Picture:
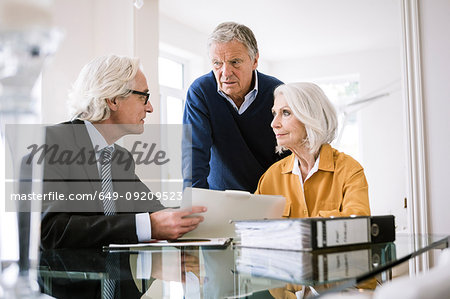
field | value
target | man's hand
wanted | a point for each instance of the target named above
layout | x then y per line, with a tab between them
172	224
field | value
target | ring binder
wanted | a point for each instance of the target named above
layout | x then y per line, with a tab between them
315	233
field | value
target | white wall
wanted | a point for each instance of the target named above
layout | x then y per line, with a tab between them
186	43
95	28
146	37
435	47
91	28
182	38
382	122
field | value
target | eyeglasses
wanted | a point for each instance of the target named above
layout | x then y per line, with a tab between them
145	94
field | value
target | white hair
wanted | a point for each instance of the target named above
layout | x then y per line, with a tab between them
312	107
228	31
105	77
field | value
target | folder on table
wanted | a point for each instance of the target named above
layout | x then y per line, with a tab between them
211	243
225	206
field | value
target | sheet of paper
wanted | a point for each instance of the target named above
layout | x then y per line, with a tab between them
175	243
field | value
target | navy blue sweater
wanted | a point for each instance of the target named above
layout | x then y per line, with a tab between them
229	151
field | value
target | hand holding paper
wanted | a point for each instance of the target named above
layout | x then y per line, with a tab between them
172	224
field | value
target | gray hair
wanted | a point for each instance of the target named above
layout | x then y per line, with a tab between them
228	31
312	107
105	77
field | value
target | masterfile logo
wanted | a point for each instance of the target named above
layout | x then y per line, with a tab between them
42	158
55	154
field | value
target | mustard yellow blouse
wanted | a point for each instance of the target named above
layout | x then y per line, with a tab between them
338	188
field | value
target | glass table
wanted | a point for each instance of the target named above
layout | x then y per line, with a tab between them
231	272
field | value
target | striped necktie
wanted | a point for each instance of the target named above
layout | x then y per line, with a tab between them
105	167
111	287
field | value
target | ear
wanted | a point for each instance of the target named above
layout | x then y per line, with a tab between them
112	104
255	62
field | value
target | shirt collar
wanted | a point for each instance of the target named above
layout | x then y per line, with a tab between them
97	139
325	161
288	165
314	169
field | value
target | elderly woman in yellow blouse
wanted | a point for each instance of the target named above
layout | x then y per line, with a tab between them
316	179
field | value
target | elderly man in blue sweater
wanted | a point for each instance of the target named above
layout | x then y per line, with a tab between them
229	143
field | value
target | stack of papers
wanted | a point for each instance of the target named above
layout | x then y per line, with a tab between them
275	234
284	265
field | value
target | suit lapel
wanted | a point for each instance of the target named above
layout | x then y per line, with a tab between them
83	142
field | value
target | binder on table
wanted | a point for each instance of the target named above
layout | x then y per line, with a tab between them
315	233
312	267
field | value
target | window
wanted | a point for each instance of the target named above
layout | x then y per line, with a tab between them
172	89
342	91
170	73
172	93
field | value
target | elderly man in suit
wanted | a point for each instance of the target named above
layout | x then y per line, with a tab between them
111	100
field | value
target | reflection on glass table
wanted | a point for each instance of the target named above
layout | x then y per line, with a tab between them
234	272
312	268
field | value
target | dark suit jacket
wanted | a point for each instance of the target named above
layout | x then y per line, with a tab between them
70	169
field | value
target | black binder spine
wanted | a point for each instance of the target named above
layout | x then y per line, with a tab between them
380	229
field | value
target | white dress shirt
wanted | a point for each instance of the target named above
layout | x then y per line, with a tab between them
296	169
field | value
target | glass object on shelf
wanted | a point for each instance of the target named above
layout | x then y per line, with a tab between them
138	3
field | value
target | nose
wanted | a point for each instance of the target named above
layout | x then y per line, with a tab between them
227	70
275	124
149	107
